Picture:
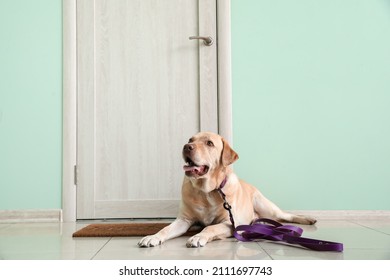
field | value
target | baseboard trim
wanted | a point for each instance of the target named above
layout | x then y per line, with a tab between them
32	216
344	214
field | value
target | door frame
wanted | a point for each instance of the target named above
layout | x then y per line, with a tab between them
69	144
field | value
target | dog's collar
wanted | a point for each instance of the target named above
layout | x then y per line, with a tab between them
223	183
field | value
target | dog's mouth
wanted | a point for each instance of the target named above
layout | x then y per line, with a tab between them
193	170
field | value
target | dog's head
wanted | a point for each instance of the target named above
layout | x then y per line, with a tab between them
206	153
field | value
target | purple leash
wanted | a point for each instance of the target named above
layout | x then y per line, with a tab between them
271	230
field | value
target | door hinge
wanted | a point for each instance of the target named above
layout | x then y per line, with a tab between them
75	175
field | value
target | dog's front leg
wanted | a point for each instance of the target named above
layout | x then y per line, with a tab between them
177	228
210	233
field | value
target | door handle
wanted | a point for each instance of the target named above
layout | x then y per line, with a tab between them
208	41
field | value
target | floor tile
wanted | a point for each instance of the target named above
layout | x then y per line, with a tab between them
302	254
127	248
46	240
378	225
367	254
353	238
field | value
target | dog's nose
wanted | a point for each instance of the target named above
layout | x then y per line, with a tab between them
188	147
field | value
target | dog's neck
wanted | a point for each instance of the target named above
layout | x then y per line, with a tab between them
211	183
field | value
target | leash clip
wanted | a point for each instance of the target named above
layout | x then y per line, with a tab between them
227	206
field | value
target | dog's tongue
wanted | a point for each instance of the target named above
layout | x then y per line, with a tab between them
192	168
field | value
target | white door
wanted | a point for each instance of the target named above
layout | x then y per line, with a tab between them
143	88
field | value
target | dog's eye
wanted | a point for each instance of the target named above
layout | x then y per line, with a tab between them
210	143
190	140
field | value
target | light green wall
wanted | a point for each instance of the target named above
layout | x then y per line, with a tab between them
30	104
311	89
311	93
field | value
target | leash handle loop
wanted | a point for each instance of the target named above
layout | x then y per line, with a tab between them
271	230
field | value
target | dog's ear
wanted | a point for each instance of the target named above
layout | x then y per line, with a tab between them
228	155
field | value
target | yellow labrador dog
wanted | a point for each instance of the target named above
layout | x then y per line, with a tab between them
208	158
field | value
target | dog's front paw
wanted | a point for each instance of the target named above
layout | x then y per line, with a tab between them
311	220
304	220
197	241
150	241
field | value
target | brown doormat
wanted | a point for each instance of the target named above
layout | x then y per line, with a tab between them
131	229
